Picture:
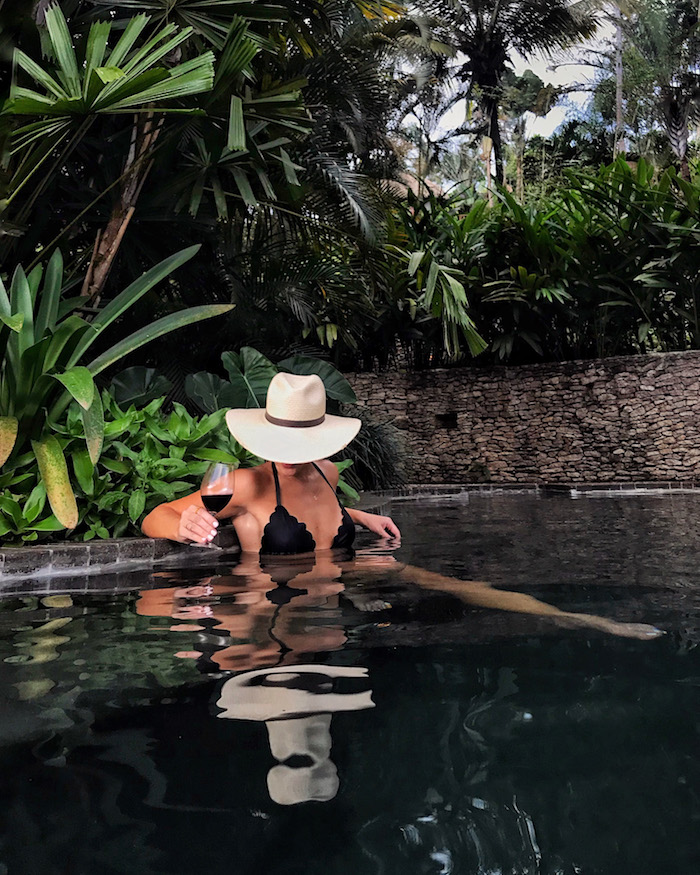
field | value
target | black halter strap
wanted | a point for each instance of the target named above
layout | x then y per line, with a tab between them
277	485
337	497
278	494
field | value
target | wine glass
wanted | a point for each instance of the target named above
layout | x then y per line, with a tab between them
217	488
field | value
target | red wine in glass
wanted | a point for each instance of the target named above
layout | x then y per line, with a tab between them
216	503
217	487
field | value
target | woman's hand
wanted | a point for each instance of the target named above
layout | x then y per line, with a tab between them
383	526
197	524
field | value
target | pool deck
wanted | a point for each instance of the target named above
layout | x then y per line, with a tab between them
105	564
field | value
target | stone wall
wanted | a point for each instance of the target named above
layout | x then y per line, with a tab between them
627	419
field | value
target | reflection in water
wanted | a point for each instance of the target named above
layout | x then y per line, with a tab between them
256	618
272	616
296	707
490	742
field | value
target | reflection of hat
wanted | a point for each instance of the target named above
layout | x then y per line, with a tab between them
294	427
290	691
317	783
296	702
315	779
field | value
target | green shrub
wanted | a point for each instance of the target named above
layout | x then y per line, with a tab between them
148	457
604	265
46	363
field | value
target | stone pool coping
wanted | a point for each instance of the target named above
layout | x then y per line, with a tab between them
125	555
373	500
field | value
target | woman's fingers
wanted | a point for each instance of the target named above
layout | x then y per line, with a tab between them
197	524
391	527
386	527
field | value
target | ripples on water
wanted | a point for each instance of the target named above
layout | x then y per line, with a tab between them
223	723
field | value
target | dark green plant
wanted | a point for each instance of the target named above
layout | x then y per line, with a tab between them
249	377
138	385
105	94
45	364
379	455
604	265
148	457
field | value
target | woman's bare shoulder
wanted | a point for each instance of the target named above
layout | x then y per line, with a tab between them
250	482
329	470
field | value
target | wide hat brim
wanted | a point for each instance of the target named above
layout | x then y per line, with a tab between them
290	445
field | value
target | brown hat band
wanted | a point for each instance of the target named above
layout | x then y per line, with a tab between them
294	423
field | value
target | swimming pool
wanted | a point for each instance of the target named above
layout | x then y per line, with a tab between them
216	722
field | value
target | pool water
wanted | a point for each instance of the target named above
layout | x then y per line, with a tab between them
352	721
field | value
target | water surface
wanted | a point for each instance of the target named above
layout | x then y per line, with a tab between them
220	722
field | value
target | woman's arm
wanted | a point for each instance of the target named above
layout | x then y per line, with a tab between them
383	526
185	519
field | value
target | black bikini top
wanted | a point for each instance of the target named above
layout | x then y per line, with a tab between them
285	534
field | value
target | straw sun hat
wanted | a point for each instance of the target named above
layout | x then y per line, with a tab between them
294	427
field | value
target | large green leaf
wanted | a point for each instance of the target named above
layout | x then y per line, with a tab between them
250	374
35	503
130	77
236	125
21	301
156	329
209	392
84	468
54	473
132	293
5	305
47	315
337	387
80	384
62	44
50	524
138	385
94	426
14	323
137	503
69	336
8	436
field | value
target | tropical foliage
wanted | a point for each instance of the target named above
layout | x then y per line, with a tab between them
303	149
249	374
148	456
122	87
45	364
604	265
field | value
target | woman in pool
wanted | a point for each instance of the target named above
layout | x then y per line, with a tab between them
288	505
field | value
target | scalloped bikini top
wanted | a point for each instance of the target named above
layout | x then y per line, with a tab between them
284	534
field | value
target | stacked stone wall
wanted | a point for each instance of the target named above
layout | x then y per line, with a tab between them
625	419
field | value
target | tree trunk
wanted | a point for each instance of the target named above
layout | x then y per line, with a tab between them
620	146
486	150
136	168
520	159
495	135
675	106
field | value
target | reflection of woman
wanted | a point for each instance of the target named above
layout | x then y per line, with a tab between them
250	620
288	505
296	706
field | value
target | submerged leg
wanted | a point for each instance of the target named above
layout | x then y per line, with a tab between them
482	595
